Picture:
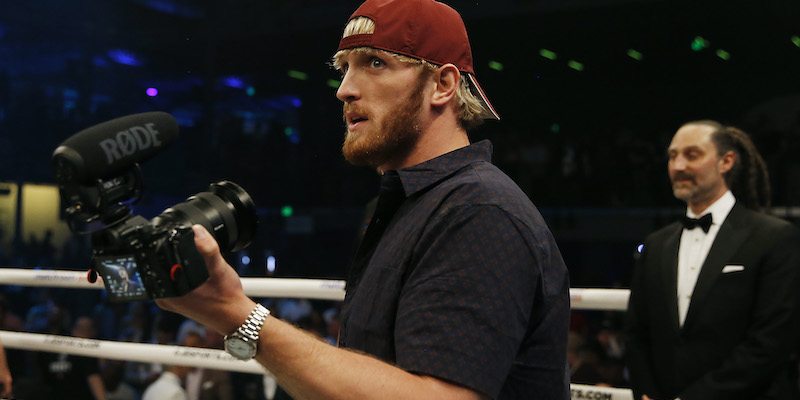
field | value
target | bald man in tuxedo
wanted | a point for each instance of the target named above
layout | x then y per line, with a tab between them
712	313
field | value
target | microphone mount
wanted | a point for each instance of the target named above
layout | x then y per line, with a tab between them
105	201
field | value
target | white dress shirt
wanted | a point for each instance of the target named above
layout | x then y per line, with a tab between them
194	381
694	248
166	387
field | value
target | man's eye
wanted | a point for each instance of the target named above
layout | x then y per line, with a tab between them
376	63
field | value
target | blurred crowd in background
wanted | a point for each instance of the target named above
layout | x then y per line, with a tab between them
579	143
616	169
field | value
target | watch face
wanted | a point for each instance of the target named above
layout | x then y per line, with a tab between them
239	348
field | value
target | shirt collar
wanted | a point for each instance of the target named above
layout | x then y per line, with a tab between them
719	209
422	175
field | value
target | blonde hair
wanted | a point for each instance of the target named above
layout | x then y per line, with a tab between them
469	108
359	26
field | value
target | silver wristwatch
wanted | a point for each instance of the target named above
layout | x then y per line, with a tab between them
243	343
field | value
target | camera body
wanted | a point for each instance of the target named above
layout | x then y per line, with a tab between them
140	259
136	258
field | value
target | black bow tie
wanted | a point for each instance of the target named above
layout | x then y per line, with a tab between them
704	222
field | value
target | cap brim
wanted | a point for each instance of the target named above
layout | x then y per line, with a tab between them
488	110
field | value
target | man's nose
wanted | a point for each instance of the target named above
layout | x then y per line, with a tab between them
348	90
678	163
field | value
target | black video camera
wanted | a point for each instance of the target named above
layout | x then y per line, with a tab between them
99	178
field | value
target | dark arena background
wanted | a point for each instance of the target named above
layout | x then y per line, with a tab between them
589	92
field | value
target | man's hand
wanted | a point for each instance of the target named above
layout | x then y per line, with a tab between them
220	302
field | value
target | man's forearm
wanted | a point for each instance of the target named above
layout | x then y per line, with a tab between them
305	366
309	368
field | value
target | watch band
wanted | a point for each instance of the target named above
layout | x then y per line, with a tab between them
251	327
243	343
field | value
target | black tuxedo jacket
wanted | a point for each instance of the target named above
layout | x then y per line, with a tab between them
740	329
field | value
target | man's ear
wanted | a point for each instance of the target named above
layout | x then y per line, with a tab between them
726	162
447	78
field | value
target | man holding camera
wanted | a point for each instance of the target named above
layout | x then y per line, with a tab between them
458	289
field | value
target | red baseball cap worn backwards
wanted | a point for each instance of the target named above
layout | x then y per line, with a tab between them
421	29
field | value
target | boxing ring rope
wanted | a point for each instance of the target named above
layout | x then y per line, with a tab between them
321	289
140	352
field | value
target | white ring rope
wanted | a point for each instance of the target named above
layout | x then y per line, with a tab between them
321	289
599	299
141	352
47	278
199	357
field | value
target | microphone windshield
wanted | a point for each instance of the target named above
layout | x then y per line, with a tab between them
107	149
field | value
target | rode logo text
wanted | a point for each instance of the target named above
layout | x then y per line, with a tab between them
129	141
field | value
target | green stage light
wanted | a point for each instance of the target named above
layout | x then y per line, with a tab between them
699	43
287	211
334	83
723	54
298	75
796	40
547	54
635	55
575	65
495	65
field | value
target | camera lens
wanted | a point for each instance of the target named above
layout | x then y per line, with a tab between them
225	210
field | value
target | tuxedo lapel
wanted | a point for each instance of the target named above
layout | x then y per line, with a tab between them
730	237
669	272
